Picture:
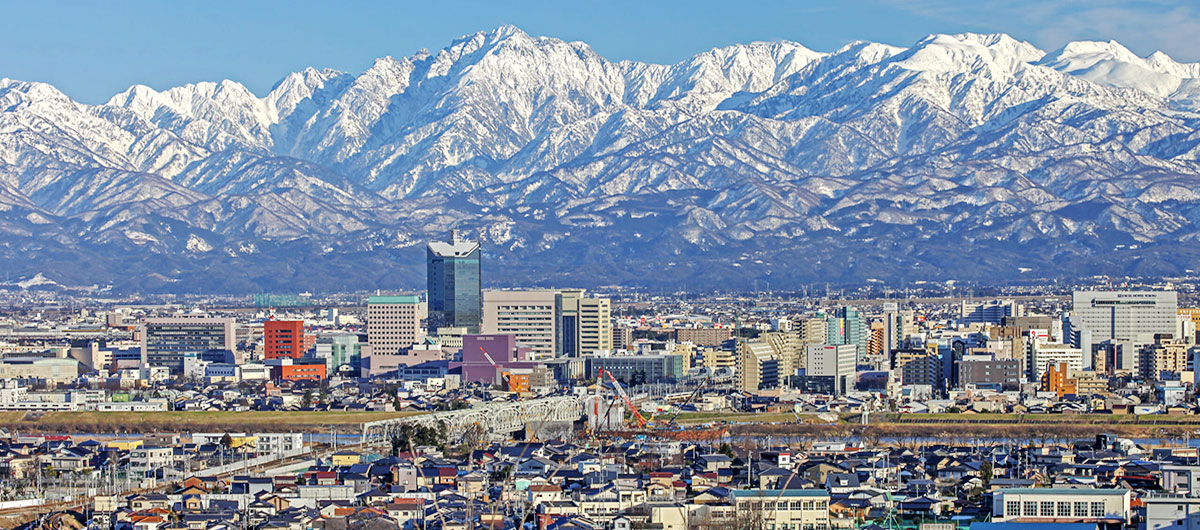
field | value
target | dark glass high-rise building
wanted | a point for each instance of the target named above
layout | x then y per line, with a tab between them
455	296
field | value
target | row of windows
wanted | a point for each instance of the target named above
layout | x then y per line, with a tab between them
788	505
1054	509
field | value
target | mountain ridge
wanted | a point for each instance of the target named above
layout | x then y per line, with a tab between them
969	156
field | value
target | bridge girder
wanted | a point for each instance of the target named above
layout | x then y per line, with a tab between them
496	418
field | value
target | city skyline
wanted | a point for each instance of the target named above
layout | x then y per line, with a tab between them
558	265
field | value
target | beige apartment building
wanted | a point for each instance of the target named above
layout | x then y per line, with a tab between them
717	358
1162	356
703	336
393	323
757	366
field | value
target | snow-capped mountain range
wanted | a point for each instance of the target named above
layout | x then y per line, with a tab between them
976	157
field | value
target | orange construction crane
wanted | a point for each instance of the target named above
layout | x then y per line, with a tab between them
628	402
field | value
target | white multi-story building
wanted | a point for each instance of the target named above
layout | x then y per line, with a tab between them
990	312
1045	354
1131	318
272	443
145	460
1171	512
1062	505
528	315
832	360
11	392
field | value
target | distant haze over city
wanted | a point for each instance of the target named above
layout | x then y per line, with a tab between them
974	157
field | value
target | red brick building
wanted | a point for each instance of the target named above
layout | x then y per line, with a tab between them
283	338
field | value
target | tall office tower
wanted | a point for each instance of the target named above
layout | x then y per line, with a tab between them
453	280
836	361
283	338
991	312
393	323
1131	318
584	324
166	341
847	326
528	315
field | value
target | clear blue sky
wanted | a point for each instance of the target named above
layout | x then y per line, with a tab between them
93	49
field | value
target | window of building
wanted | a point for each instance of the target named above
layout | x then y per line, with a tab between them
1097	509
1012	509
1081	509
1030	508
1064	509
1047	509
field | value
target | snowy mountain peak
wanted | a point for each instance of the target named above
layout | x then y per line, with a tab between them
15	92
1112	64
299	86
970	52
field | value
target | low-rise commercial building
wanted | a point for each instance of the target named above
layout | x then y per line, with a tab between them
1053	505
638	368
790	508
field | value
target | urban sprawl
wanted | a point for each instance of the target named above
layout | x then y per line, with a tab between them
1059	408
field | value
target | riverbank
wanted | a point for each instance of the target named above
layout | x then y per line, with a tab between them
63	422
965	427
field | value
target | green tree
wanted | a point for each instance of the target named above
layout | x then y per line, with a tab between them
985	473
726	449
308	398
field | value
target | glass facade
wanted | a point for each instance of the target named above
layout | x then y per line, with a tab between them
453	274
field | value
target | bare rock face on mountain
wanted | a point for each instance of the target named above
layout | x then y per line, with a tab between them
975	157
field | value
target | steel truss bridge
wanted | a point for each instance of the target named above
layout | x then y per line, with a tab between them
497	418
